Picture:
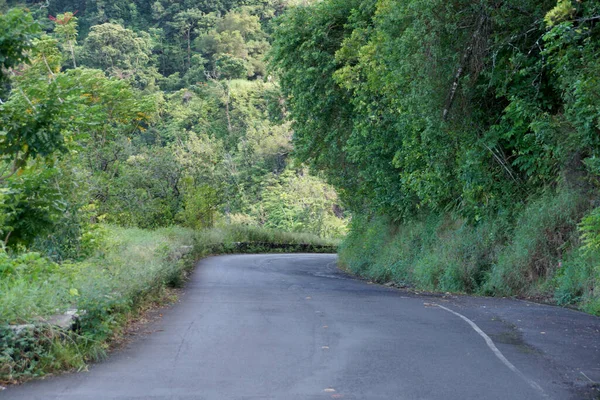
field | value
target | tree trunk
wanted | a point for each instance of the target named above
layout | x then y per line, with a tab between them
72	53
461	68
227	98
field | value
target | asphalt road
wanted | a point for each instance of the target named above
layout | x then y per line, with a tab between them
295	327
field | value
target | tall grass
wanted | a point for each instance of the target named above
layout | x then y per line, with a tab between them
536	252
545	232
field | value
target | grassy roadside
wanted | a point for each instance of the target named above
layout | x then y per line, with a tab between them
132	269
536	253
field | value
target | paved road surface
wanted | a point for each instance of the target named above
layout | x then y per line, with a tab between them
294	327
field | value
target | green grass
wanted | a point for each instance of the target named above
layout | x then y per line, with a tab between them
544	233
132	268
535	253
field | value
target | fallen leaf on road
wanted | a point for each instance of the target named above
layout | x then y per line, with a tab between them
329	390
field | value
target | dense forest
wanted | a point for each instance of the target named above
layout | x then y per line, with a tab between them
148	117
464	137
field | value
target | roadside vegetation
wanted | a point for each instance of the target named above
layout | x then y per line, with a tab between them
135	138
130	269
463	136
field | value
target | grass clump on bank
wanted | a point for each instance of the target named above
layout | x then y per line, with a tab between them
130	269
535	252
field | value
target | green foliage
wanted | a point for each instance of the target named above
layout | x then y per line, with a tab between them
544	232
563	10
439	106
66	31
304	48
76	235
30	205
590	231
577	281
33	119
17	34
141	189
200	207
120	52
150	159
236	45
297	202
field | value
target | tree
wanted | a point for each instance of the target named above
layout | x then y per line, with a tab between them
186	22
305	44
66	30
236	45
17	34
36	115
121	53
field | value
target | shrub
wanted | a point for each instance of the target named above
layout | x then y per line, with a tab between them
200	207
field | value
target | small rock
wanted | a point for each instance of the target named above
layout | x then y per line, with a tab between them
64	321
17	329
390	284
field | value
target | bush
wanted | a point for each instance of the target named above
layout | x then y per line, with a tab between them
578	278
76	236
30	206
200	206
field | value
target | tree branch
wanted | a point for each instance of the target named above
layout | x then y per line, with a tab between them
465	59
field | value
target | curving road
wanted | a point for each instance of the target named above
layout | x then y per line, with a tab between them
295	327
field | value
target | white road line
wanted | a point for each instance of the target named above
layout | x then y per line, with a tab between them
497	352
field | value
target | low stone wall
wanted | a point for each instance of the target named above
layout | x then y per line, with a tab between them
245	247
